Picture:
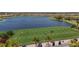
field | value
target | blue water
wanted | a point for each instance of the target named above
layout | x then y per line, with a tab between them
22	22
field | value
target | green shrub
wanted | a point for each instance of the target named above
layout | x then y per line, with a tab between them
10	33
73	26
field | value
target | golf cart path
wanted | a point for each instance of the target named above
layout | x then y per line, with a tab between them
64	43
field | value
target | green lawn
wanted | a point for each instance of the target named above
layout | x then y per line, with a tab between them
25	36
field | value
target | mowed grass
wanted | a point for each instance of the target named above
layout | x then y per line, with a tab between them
25	36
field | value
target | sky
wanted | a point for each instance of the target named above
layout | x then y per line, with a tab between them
39	5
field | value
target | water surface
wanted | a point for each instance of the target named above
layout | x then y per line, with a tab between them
22	22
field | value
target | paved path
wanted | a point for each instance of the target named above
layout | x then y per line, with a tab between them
64	43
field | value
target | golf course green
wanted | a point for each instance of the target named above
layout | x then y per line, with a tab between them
25	36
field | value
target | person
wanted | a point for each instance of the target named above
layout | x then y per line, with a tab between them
39	44
75	39
53	43
59	43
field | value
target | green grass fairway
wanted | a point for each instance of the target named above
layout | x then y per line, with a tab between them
25	36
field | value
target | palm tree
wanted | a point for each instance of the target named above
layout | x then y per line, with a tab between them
74	43
12	43
59	17
48	39
36	41
77	23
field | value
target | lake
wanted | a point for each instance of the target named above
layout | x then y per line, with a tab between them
22	22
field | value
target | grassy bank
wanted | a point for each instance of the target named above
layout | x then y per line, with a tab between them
25	36
71	22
